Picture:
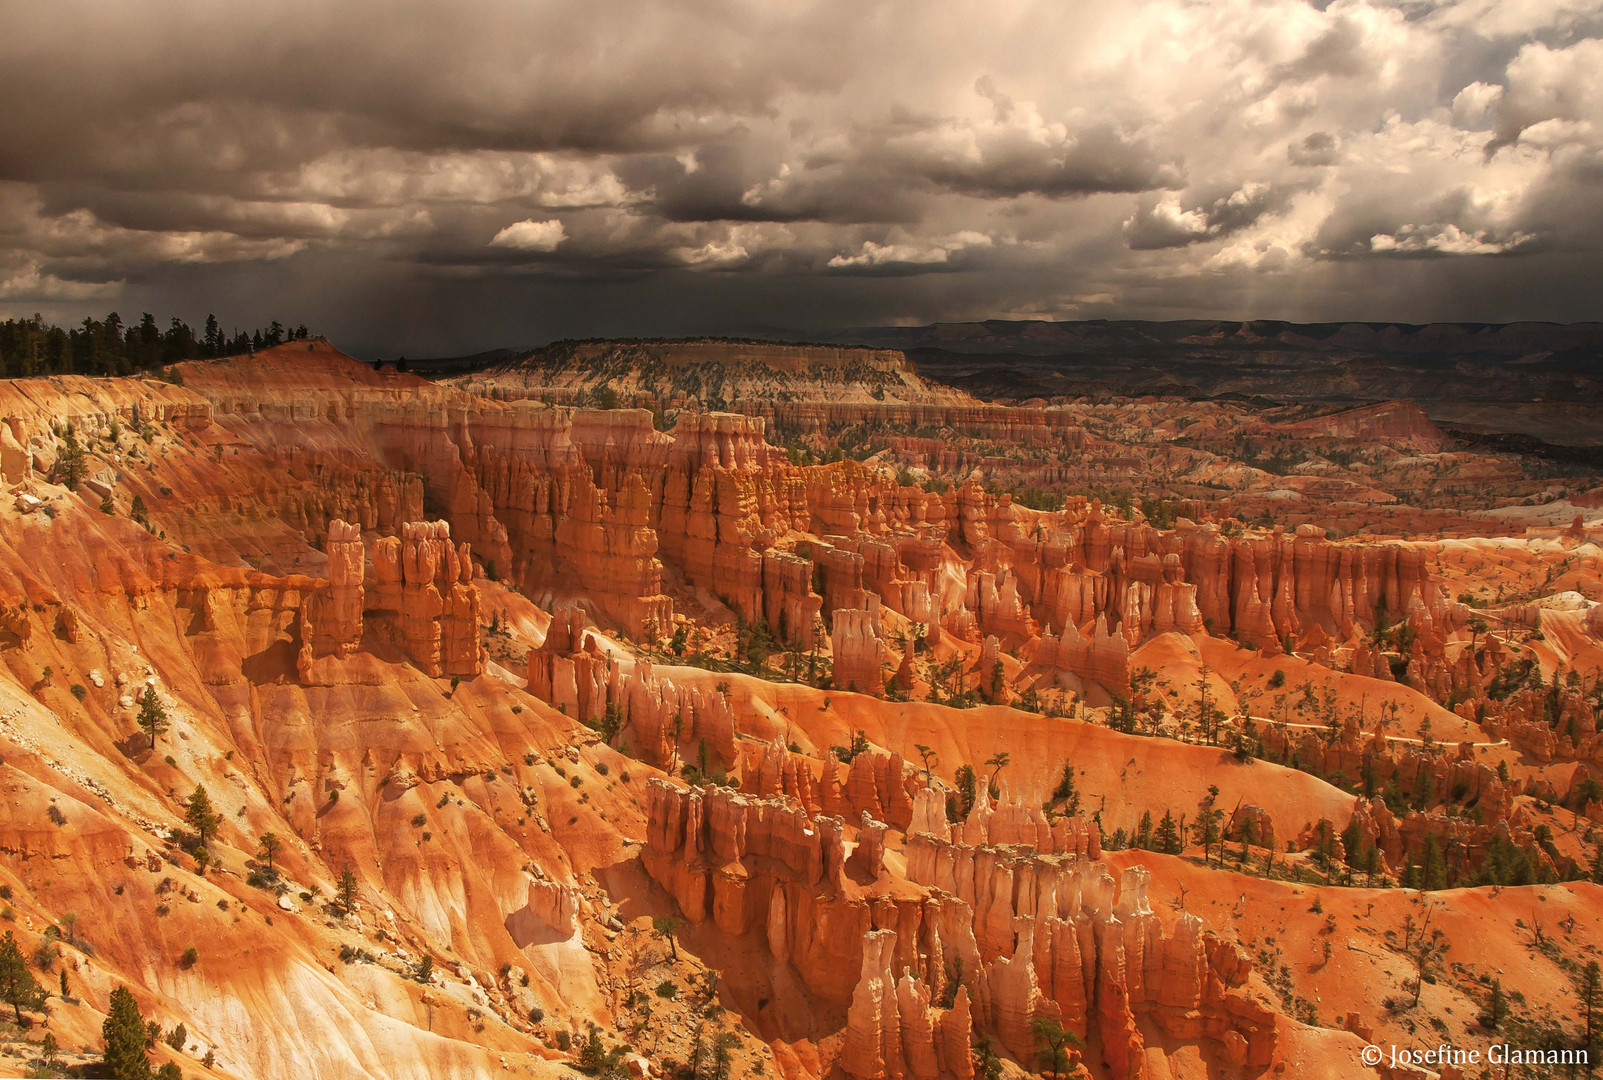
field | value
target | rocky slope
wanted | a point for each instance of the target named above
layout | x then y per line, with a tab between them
508	680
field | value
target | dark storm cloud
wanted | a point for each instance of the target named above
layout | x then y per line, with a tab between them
1170	223
492	170
1315	148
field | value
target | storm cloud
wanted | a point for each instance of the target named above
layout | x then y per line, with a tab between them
438	178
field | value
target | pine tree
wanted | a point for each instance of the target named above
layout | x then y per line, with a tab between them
1143	831
200	815
124	1033
1168	836
1205	830
1053	1042
1067	792
1352	838
1433	867
17	987
271	845
998	761
967	790
1496	1008
668	927
152	715
347	890
71	462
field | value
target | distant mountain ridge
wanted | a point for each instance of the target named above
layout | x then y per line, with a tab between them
714	372
1539	379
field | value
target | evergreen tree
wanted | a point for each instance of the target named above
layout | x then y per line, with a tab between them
1496	1008
1352	838
1167	839
17	987
1066	792
124	1032
668	927
1143	831
1053	1042
71	461
967	791
200	815
1433	867
270	846
998	761
1205	830
152	715
347	890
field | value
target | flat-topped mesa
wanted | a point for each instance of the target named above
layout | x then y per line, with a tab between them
855	640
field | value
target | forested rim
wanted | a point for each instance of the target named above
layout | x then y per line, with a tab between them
109	347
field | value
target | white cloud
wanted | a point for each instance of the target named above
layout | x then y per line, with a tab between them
531	235
911	253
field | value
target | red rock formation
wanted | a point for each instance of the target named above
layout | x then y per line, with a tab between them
855	641
877	783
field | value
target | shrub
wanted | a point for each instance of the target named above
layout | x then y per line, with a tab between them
80	691
574	781
667	989
56	815
419	820
536	1015
564	1041
601	767
189	958
177	1037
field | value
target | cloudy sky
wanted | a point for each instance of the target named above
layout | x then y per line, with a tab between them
434	178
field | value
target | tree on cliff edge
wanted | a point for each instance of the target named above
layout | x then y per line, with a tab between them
668	927
124	1032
